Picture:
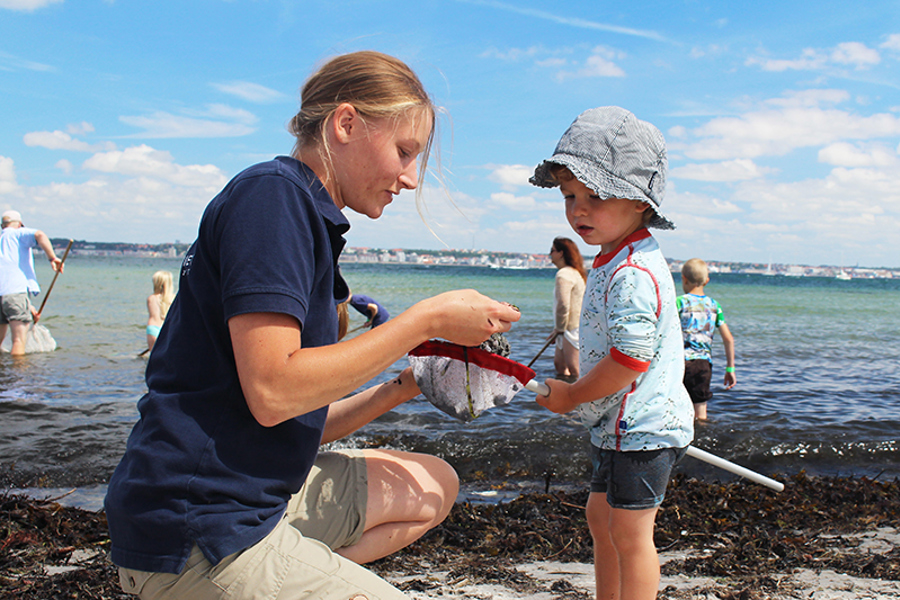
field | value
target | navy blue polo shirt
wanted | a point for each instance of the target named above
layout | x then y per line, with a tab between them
198	468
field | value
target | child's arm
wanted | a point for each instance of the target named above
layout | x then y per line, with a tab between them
607	377
728	341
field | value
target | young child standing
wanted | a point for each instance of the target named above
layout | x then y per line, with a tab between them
611	169
700	317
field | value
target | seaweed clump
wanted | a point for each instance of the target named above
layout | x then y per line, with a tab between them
736	532
746	537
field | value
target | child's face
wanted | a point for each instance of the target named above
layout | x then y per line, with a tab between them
604	223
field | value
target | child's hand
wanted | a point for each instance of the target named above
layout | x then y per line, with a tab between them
730	380
559	401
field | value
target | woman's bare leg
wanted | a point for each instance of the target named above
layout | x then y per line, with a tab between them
409	494
570	353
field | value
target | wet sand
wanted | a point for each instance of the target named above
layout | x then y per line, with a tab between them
822	538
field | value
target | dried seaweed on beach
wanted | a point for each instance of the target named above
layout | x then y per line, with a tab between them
742	534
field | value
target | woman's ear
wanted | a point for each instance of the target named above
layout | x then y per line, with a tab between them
344	122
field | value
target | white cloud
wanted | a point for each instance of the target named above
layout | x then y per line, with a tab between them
135	195
27	5
508	201
776	131
809	59
80	128
892	42
64	166
217	121
807	98
600	61
7	175
252	92
598	64
514	54
708	50
851	212
60	140
740	169
565	20
855	53
10	62
687	203
510	175
144	161
441	222
552	63
140	209
844	154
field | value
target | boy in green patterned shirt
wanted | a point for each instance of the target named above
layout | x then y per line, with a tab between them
700	317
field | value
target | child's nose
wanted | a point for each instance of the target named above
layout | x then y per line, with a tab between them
579	206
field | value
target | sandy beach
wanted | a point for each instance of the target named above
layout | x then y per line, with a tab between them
830	538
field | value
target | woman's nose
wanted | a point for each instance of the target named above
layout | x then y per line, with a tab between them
409	178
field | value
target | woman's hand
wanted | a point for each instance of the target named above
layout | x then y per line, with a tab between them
349	414
467	317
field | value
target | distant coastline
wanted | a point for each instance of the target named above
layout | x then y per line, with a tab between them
482	258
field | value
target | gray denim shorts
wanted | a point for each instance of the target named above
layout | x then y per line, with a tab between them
15	307
633	480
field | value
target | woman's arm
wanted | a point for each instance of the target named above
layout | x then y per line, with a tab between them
282	380
347	415
563	295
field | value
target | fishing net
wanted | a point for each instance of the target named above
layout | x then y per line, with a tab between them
38	340
464	382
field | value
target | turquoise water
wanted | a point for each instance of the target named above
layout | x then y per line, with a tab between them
818	378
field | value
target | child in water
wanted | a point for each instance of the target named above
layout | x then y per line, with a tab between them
158	304
700	317
611	169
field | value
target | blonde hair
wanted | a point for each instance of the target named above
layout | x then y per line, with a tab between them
694	273
375	84
164	288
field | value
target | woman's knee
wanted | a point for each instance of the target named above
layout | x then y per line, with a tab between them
444	484
430	482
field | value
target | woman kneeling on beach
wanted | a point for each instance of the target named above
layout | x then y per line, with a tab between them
221	491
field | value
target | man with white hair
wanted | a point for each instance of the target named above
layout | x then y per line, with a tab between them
17	278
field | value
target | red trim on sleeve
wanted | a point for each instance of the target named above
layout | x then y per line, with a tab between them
634	364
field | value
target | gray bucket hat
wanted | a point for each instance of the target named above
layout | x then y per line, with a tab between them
615	154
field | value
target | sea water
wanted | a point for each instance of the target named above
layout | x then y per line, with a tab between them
818	371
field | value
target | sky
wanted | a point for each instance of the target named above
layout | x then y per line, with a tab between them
122	119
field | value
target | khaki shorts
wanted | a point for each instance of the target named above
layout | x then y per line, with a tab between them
15	307
295	560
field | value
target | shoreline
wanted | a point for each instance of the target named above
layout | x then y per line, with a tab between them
822	538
